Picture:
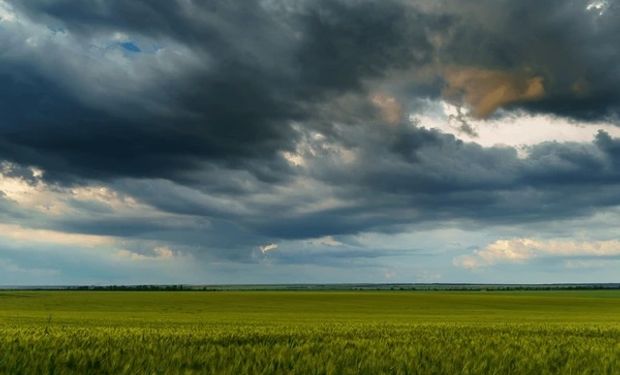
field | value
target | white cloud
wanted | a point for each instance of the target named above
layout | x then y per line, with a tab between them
597	6
312	145
293	159
520	130
17	233
34	197
326	241
268	247
521	250
28	194
106	196
158	253
6	13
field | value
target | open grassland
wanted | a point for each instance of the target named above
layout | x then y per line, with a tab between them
567	332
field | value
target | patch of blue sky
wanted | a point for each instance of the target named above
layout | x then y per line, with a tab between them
130	47
133	47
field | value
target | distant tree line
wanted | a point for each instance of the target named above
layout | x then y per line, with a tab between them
328	287
377	287
146	288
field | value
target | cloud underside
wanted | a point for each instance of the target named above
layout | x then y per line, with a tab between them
523	250
225	129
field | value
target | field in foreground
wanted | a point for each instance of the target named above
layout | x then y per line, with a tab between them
310	332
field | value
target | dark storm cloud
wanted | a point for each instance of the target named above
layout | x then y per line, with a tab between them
256	67
188	106
572	48
441	178
231	112
404	176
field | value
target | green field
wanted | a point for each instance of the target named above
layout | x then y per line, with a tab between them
567	332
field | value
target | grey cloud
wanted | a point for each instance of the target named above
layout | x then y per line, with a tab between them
241	75
578	64
195	123
433	178
247	73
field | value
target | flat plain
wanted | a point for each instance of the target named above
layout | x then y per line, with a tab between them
309	332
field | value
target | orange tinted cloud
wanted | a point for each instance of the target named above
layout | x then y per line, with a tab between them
485	90
390	107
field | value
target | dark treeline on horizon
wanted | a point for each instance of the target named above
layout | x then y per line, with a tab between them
326	287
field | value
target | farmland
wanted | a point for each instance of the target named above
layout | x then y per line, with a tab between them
284	332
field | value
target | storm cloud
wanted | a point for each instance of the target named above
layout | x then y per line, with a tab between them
225	128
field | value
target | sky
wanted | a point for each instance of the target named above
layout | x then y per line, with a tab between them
309	141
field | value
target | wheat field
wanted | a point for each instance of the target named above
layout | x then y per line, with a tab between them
277	332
